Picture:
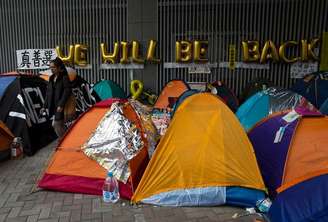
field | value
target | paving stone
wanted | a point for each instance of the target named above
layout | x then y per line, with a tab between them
41	206
75	215
68	200
49	220
64	219
87	208
3	217
164	212
2	187
90	216
14	212
224	217
107	216
32	196
4	210
32	218
87	196
148	213
82	201
124	218
45	212
57	206
3	199
139	218
14	204
17	219
72	207
28	205
78	196
206	219
13	197
60	214
30	212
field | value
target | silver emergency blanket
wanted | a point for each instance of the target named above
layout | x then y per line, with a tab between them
114	142
150	132
282	99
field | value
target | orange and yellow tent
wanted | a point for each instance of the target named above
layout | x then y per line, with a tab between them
205	158
71	170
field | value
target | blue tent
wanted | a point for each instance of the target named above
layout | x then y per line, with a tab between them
304	202
324	107
267	102
314	87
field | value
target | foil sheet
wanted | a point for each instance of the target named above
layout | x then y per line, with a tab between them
150	131
114	142
282	99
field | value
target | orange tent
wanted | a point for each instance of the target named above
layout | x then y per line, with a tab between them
6	138
70	170
204	158
172	90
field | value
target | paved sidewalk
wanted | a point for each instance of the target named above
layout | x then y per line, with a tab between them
17	203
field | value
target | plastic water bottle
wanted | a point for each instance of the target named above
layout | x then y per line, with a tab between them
111	192
263	205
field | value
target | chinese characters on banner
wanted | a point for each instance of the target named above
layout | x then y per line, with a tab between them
299	69
35	58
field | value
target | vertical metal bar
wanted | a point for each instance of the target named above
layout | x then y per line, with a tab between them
167	36
5	13
174	33
187	6
160	44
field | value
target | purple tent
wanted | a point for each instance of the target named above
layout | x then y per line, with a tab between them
292	152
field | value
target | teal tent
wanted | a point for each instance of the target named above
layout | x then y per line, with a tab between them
106	89
269	101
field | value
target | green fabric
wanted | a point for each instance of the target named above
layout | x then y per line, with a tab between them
108	89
